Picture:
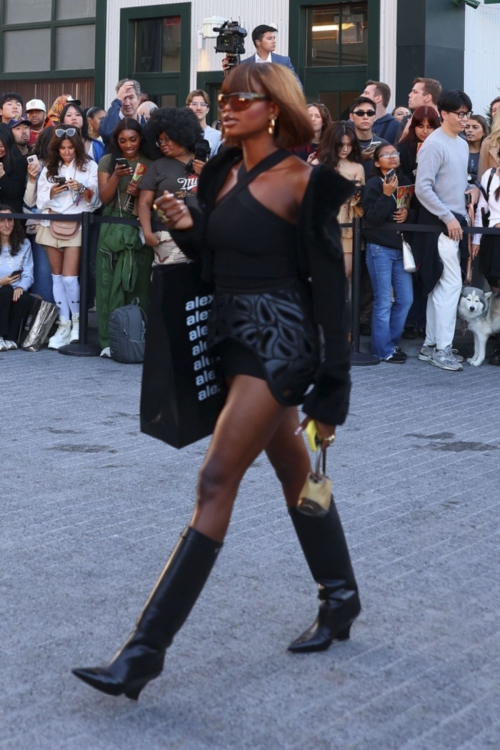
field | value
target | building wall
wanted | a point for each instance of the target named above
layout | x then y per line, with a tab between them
253	12
388	47
482	55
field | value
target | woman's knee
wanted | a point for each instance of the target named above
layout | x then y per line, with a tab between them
216	480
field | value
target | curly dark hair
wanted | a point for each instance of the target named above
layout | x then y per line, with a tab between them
53	158
126	124
178	123
17	237
331	143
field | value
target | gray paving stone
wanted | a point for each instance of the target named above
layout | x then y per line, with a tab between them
91	509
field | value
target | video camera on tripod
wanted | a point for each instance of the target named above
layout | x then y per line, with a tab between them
230	42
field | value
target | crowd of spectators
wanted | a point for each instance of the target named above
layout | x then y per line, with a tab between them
67	160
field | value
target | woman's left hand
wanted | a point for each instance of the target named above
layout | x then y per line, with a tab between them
17	293
73	185
133	188
326	431
198	165
401	215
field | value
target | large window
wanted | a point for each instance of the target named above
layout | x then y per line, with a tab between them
337	34
158	45
43	36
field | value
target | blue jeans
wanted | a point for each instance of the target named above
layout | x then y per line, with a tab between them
385	265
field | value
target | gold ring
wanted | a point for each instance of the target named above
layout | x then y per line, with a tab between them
330	439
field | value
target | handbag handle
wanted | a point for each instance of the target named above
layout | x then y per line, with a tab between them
317	469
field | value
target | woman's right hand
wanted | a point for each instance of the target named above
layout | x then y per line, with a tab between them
152	239
57	189
8	280
122	171
174	213
391	186
474	251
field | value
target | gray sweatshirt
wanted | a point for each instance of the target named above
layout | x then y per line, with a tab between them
442	175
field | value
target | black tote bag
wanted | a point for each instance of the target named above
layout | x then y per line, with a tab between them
181	396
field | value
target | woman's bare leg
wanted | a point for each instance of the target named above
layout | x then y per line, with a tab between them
56	258
289	456
245	426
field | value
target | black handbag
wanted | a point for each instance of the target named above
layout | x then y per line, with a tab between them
181	396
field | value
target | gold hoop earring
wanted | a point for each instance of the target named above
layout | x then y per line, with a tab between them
272	126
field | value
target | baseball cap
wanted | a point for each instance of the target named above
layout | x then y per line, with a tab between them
36	104
19	121
70	100
262	29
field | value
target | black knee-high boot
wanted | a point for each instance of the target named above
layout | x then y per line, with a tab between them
325	548
141	657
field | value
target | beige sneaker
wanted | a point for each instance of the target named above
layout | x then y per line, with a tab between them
62	336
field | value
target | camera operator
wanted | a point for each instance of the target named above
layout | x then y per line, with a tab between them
264	39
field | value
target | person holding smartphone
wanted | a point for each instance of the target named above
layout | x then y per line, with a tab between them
384	256
16	278
119	194
67	185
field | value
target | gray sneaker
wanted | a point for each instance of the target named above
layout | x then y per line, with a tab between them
425	353
445	359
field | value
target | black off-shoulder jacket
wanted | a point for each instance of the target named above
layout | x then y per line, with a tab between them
320	260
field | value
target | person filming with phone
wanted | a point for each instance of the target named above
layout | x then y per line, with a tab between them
384	256
16	277
67	185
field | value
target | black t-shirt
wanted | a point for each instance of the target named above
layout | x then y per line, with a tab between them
169	174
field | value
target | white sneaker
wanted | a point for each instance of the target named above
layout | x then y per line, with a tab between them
75	328
10	344
106	352
62	336
3	345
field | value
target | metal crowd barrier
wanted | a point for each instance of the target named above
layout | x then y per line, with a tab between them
82	349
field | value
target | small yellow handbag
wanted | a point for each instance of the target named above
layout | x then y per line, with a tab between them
316	494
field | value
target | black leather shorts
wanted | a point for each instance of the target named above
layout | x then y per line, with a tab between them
277	330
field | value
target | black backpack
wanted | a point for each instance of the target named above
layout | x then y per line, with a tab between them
127	328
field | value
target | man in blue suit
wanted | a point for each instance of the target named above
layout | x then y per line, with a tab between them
264	39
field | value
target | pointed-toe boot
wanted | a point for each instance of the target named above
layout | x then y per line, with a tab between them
325	549
141	657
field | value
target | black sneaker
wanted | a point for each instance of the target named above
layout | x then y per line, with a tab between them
397	350
395	359
409	333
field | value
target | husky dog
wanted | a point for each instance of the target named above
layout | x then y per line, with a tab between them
481	312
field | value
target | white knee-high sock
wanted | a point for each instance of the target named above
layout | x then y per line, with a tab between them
72	286
59	291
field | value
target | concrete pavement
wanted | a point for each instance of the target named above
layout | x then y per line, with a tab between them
91	509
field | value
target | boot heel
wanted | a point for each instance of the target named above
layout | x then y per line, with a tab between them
133	693
345	634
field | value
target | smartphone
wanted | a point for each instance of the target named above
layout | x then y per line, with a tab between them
33	159
60	180
16	273
390	174
375	144
121	162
